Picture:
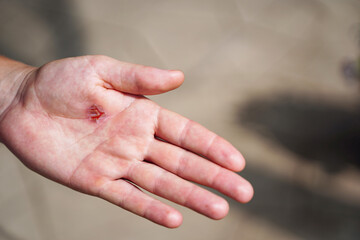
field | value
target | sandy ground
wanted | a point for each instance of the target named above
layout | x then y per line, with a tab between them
268	75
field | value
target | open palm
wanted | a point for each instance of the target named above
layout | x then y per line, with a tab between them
84	123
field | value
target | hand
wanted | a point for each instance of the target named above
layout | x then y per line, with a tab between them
84	123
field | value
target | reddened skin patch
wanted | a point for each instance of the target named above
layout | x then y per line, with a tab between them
95	113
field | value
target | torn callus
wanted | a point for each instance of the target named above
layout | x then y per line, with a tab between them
95	112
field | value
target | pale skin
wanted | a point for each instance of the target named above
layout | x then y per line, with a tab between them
84	122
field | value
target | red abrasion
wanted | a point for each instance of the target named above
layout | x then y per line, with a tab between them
96	112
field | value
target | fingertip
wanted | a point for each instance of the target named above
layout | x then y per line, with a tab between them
238	162
219	209
177	74
177	77
173	220
244	193
226	155
157	81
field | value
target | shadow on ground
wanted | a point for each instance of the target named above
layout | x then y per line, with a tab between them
314	129
38	31
303	212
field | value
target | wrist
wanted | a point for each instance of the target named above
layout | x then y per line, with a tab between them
13	76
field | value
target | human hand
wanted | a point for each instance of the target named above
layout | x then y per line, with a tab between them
84	123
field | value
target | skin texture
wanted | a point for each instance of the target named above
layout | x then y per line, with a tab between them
83	122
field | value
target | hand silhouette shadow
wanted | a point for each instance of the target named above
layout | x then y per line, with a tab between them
314	129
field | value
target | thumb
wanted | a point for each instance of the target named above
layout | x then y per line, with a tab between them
135	79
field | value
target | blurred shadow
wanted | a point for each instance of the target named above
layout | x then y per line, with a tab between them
350	68
37	31
314	129
305	213
6	235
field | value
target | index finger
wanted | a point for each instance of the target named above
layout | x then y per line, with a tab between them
190	135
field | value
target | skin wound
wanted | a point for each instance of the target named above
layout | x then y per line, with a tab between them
95	112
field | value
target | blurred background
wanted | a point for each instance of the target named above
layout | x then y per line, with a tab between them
278	78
